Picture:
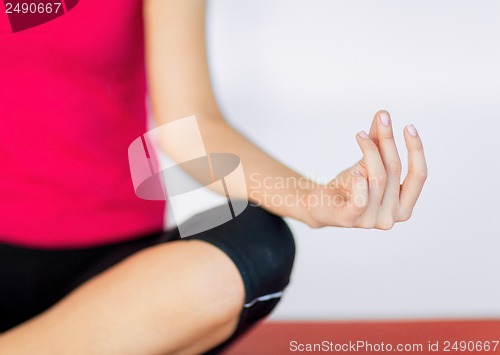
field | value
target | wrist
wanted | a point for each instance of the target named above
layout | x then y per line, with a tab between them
308	206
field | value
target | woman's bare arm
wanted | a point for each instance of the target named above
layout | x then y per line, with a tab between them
367	195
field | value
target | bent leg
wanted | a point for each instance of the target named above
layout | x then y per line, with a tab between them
263	248
154	302
178	297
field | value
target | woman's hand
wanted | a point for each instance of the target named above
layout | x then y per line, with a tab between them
370	194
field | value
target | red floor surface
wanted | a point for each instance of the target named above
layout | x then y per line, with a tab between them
458	337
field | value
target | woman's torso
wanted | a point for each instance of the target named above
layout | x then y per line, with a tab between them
72	98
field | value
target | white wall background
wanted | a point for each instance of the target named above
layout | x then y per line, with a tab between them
302	77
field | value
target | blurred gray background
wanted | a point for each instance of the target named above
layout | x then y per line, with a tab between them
301	78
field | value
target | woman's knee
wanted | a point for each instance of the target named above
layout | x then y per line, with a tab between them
272	249
263	249
261	246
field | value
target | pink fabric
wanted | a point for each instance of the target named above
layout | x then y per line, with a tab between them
72	98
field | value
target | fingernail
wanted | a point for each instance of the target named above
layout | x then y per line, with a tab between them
412	130
363	135
385	118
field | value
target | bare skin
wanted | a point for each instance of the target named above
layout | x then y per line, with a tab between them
186	297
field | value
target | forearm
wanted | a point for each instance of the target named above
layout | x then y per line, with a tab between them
268	182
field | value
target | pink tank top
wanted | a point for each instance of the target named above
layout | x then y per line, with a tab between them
72	99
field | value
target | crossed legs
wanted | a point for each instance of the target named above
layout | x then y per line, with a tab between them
180	297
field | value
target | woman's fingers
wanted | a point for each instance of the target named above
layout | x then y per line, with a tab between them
392	164
372	168
373	196
417	173
373	128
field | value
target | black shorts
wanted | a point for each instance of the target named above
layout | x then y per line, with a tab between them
259	243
